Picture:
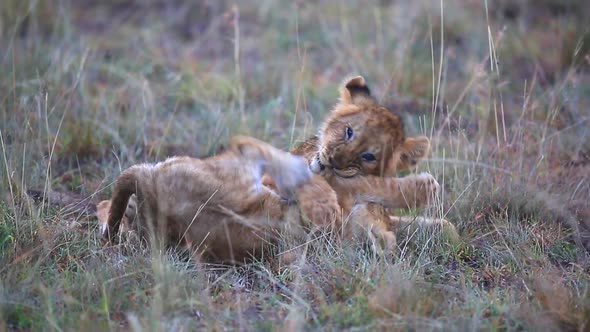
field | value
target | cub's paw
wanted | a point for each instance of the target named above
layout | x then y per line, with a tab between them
387	243
291	172
426	189
107	234
102	214
288	171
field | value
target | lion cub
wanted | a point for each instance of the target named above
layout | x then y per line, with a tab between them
217	206
362	145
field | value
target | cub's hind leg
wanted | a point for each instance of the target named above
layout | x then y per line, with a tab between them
365	223
286	170
410	224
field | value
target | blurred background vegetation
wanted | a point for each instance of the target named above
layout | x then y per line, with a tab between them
502	87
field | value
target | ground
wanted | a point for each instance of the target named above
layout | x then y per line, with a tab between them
502	88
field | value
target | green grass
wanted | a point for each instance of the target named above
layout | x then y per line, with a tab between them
89	88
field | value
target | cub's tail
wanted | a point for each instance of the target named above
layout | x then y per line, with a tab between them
125	186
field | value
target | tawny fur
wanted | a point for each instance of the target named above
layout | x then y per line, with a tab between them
237	221
217	206
358	125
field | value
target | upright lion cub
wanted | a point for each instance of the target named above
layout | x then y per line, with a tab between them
363	141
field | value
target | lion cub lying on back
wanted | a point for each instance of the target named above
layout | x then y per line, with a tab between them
217	204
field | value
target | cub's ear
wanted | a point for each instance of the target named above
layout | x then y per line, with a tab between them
354	89
414	149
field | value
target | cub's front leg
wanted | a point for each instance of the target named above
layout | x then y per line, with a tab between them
366	222
411	191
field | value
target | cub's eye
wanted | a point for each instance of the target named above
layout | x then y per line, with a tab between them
349	133
368	157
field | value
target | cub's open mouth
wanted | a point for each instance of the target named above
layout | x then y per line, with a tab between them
345	172
317	166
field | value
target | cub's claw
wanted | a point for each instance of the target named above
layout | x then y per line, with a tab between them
420	190
427	189
106	234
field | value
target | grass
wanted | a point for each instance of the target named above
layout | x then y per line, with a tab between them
89	88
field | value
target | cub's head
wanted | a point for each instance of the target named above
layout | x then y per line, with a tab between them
362	137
